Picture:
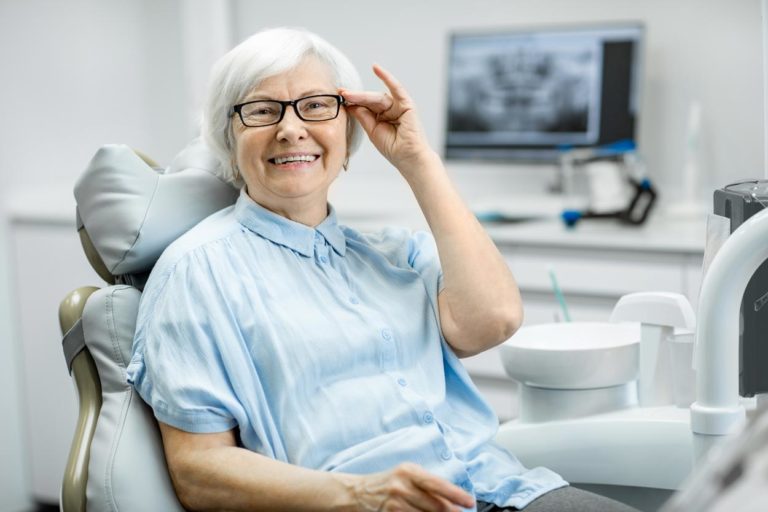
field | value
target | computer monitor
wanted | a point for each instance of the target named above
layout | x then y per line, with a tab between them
528	94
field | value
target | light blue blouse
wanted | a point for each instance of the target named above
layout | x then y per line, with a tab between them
323	347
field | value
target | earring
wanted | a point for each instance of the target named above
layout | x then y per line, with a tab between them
235	170
345	165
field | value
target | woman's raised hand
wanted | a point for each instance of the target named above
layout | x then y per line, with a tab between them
390	121
409	487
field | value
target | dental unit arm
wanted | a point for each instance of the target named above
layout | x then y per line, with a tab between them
718	410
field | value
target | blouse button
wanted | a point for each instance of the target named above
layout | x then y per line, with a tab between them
446	455
428	417
386	334
324	259
354	300
402	382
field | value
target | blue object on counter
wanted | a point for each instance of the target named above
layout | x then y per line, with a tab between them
571	217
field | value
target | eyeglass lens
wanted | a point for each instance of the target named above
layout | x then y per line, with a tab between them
312	108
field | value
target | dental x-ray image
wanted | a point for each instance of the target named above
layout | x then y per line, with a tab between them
527	94
527	89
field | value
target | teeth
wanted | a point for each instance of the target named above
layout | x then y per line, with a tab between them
295	158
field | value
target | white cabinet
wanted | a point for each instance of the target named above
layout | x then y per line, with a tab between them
595	264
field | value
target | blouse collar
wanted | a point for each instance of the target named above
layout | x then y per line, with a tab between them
280	230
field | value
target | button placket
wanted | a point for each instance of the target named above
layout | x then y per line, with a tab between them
387	350
321	248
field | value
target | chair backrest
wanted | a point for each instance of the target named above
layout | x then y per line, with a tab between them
128	211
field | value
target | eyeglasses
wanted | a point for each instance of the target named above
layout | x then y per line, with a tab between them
320	107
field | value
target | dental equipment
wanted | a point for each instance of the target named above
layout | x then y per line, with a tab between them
736	203
559	295
718	410
624	155
580	413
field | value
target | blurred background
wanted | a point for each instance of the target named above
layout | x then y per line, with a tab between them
78	74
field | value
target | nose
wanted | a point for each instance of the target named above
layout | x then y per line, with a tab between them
291	127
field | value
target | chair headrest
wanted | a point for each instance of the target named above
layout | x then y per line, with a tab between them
132	211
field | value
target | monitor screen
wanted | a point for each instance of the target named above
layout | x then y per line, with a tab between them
525	95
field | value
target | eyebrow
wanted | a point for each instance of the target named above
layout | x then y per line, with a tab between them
261	96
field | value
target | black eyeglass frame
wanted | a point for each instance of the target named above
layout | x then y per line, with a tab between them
238	109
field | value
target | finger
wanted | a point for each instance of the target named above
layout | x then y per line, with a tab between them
443	488
447	505
422	500
375	101
365	117
394	86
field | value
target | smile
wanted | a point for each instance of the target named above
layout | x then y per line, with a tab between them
293	158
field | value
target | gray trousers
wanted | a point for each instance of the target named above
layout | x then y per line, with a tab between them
564	499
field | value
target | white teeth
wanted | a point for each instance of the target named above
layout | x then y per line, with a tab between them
295	158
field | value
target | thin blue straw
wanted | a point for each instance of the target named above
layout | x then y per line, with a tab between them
559	295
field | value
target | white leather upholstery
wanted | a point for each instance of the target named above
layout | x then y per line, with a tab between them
127	470
132	211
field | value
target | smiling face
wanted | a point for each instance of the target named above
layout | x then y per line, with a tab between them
288	167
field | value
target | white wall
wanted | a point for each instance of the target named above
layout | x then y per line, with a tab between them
81	73
75	75
708	50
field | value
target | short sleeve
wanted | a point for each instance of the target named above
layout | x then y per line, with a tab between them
180	361
424	259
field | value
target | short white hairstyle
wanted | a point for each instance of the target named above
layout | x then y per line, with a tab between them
265	54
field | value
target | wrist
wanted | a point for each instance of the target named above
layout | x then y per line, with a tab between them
421	165
346	495
427	157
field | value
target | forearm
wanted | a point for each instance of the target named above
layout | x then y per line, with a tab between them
232	478
480	303
479	289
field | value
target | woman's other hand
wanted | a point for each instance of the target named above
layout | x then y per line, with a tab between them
408	487
391	122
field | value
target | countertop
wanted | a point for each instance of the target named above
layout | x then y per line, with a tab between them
534	222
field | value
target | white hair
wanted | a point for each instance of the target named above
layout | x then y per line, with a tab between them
263	55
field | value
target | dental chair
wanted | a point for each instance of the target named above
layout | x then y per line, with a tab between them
128	211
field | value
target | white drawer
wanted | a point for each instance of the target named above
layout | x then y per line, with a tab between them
596	272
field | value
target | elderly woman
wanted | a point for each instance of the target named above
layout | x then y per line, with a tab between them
296	364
